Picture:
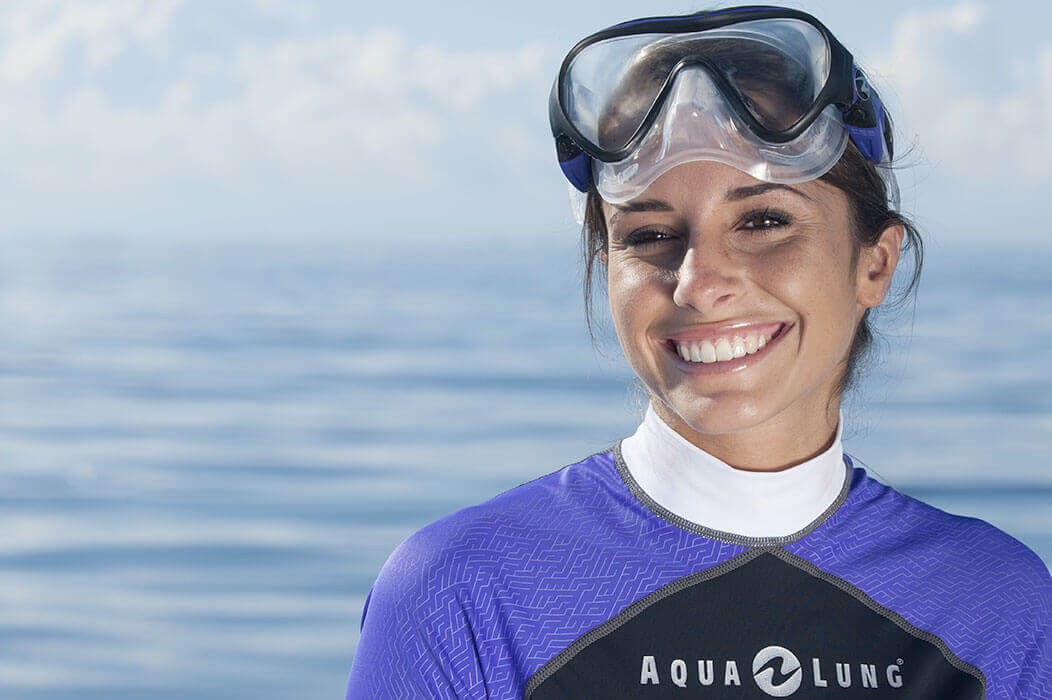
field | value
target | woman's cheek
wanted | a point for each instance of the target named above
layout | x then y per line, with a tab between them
635	294
795	270
629	278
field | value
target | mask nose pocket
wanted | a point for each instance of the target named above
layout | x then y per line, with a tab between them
696	122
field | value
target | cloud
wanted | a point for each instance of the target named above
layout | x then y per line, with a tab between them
371	95
162	115
36	35
109	108
975	117
285	9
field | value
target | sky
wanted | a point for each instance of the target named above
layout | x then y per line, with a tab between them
284	118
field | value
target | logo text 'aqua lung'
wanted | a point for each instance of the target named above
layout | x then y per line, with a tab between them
775	670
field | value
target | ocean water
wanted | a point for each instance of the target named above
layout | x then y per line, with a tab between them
208	448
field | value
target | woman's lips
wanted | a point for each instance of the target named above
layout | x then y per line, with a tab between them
725	348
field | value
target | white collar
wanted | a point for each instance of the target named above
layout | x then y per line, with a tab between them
692	484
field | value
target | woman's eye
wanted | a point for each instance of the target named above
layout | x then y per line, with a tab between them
645	237
765	220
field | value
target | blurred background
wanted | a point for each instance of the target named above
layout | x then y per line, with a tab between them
284	281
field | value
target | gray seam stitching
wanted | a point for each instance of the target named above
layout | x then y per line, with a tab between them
549	669
730	537
864	598
578	645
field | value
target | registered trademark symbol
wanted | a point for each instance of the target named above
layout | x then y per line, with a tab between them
899	661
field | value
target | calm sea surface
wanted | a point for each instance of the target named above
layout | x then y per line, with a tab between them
207	449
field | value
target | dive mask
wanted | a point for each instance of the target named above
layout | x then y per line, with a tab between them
767	90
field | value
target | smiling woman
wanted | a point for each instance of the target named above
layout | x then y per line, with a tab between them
737	305
733	174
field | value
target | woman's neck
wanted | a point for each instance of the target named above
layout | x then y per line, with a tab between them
673	475
776	444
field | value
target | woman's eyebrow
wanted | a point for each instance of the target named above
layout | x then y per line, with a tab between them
739	193
638	206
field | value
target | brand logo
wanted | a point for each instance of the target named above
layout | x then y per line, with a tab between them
777	671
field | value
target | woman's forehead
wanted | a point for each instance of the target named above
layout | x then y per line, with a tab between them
702	183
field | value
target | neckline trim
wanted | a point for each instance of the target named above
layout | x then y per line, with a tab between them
729	537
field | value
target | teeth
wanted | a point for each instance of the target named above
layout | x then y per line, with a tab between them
722	350
738	347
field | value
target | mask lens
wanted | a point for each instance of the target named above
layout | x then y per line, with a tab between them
610	86
777	67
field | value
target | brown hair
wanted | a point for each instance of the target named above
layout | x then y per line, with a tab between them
871	214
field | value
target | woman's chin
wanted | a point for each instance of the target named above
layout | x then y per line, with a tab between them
713	415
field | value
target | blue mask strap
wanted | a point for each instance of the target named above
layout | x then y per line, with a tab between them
864	120
578	170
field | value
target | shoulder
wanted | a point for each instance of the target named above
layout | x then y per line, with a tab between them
958	574
971	545
977	588
433	618
461	547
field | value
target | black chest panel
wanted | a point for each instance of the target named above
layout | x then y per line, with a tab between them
760	626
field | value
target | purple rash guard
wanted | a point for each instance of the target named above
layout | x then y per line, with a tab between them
578	585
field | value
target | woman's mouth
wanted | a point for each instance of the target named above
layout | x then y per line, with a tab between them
726	347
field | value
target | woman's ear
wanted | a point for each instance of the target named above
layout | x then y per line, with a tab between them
876	266
602	255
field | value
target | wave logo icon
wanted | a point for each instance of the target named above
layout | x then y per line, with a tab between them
777	671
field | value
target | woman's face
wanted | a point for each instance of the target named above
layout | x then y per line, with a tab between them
736	300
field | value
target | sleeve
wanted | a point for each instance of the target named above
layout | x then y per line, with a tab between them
1035	676
416	637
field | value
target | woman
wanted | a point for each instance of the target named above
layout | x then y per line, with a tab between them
733	173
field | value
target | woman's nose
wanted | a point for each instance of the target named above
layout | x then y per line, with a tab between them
706	280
